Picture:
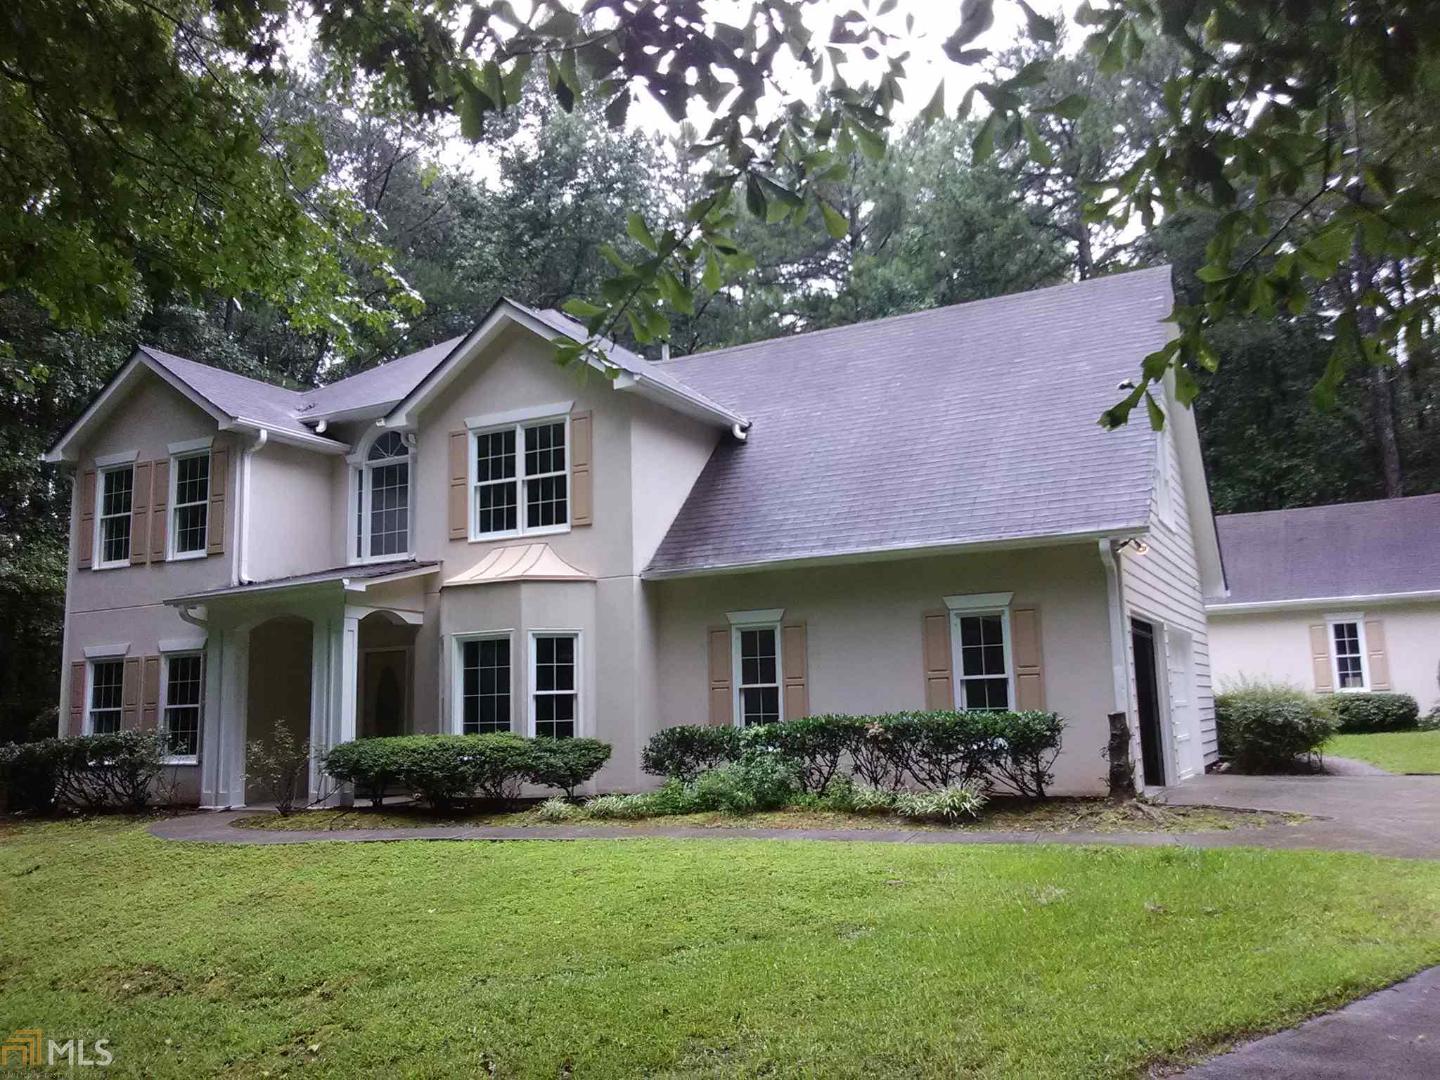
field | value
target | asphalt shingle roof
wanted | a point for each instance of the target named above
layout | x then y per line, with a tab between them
1322	552
967	424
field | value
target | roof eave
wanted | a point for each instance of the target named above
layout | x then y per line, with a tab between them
1249	607
681	403
899	551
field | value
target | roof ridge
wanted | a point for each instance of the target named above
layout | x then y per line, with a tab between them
889	319
1330	506
156	353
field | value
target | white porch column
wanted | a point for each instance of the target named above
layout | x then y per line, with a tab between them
222	742
334	685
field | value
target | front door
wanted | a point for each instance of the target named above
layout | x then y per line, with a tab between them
1147	690
384	675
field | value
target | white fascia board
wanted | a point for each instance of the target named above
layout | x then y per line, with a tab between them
661	394
318	443
1328	602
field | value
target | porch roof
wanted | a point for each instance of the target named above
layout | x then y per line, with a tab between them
350	577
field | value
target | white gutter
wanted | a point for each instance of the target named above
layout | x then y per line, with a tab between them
187	614
1119	666
1246	607
241	567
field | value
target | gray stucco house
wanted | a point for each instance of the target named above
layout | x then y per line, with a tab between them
919	511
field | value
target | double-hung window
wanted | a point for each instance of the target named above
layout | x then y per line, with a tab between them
183	697
980	640
106	696
554	684
757	667
112	524
190	504
521	479
1347	640
382	502
483	694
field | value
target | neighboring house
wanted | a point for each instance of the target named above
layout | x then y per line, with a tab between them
1333	598
916	512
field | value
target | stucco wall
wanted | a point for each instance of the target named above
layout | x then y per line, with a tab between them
864	635
291	505
1275	646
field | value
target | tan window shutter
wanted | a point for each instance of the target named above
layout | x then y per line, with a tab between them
77	698
1025	650
721	709
86	552
140	515
150	695
939	687
1379	663
795	670
130	695
582	485
1320	657
159	504
215	518
459	484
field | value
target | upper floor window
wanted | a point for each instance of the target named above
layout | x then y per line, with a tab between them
521	479
106	697
190	504
1348	637
117	491
382	504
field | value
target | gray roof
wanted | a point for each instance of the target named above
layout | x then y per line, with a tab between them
1325	552
963	425
362	572
381	385
235	395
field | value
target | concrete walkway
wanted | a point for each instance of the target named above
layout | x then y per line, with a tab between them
1388	1034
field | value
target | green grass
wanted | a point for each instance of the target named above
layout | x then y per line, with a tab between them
1393	751
682	958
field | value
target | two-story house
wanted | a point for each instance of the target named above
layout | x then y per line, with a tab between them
915	512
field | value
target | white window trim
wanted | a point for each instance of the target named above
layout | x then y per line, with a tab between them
957	667
190	446
360	467
762	621
1358	618
530	692
164	704
87	726
512	417
106	652
120	457
102	471
519	426
457	674
172	511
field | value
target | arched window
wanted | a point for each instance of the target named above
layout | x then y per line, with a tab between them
382	506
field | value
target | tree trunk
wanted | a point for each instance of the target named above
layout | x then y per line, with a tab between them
1382	406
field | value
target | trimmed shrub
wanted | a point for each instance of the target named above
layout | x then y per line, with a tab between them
1356	712
439	769
1263	728
29	773
1026	745
948	804
683	753
818	745
758	781
1431	720
566	763
371	765
90	773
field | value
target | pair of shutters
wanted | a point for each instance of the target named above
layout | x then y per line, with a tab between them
149	506
581	453
139	695
1024	654
1376	662
794	673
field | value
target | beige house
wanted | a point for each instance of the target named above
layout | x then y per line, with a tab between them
919	511
1333	598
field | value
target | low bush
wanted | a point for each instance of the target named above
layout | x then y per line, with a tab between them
279	766
1027	744
1358	713
370	765
559	810
90	773
566	763
758	781
1431	720
947	804
621	807
848	797
1264	728
683	753
818	745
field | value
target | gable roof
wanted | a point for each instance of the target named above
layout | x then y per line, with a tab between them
240	403
965	425
1349	551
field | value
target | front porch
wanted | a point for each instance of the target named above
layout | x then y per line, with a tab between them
330	656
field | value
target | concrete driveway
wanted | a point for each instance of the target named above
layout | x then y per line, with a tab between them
1382	814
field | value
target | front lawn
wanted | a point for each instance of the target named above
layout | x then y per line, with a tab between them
682	958
1393	751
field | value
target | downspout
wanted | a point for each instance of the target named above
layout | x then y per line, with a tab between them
1119	668
187	614
240	567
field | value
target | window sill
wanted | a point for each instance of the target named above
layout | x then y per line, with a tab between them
372	560
186	556
180	761
110	565
520	534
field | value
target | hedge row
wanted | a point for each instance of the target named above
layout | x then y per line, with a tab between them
1268	728
1375	712
442	769
931	750
91	773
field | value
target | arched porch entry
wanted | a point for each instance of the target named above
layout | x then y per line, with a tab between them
386	696
278	696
